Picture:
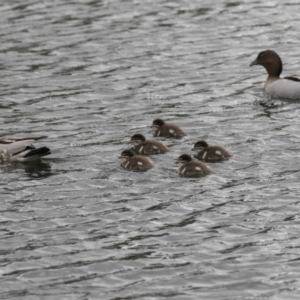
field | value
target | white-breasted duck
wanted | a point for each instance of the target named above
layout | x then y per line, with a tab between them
148	147
13	148
286	87
192	168
168	130
133	162
210	153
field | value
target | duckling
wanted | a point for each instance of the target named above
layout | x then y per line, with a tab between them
286	87
148	147
192	168
134	162
210	153
161	128
21	149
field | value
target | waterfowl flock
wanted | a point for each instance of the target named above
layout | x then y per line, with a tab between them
286	87
135	159
21	149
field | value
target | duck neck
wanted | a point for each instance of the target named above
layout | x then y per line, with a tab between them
274	70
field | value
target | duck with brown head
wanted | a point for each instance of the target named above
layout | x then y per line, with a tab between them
286	87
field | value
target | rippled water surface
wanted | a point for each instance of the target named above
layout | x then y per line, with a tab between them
90	74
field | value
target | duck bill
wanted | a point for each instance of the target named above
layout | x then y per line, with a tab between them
134	143
178	162
254	63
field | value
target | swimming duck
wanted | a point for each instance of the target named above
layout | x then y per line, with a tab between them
148	147
210	153
161	128
21	149
287	87
134	162
192	168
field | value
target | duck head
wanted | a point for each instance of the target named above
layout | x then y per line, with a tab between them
271	61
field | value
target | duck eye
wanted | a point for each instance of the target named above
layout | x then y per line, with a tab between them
261	55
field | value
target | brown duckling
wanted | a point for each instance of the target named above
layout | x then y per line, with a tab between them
133	162
192	168
168	130
148	147
210	153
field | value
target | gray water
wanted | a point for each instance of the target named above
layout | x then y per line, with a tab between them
90	74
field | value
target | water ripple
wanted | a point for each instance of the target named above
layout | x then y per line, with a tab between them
90	74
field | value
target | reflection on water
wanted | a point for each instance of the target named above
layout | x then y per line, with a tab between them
90	75
34	168
38	169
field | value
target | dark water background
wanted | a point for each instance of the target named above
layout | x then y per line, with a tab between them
90	74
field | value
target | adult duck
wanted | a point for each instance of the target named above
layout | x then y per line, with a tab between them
21	149
286	87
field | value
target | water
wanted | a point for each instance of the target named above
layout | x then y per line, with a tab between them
92	74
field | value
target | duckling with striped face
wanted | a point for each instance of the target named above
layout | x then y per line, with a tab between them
133	162
210	153
168	130
147	147
192	168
